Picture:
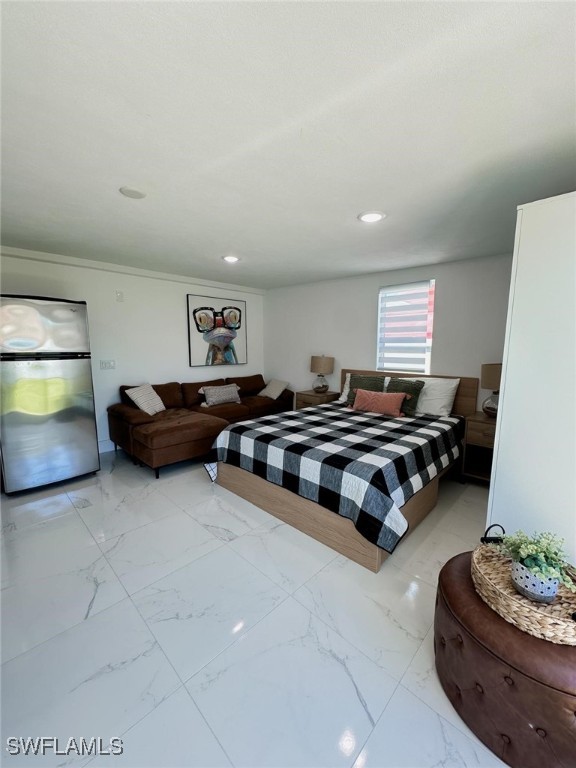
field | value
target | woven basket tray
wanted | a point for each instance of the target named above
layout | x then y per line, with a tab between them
553	622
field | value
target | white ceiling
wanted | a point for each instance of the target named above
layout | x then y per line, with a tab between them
262	129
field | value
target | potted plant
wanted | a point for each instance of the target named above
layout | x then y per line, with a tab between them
538	564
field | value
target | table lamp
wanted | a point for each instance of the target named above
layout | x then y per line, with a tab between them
490	379
322	366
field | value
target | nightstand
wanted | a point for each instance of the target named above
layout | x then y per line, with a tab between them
309	397
479	446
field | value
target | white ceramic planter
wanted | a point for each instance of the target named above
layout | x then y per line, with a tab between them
531	586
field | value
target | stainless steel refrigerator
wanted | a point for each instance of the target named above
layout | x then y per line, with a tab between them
47	424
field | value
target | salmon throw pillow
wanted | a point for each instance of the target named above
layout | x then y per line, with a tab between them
385	403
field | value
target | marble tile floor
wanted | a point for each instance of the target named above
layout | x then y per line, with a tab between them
203	632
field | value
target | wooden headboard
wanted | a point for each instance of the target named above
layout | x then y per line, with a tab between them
465	402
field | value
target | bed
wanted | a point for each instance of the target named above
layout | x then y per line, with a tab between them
319	520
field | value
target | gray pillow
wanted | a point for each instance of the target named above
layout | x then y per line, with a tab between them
220	395
360	381
412	387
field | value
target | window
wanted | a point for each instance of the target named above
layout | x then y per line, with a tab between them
405	317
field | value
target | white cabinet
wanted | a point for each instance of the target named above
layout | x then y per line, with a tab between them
533	485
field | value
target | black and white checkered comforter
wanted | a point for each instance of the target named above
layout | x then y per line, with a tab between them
360	465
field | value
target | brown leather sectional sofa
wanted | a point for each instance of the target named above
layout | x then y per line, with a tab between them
186	429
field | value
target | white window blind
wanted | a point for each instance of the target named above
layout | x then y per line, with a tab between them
405	319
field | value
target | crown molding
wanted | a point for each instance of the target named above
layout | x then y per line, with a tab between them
105	266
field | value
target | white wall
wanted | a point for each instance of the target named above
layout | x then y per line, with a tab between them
339	318
146	334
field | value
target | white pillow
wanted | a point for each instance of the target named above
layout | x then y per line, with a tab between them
273	389
344	396
146	399
437	396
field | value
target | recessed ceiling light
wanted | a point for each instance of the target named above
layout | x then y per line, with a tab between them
135	194
371	217
231	259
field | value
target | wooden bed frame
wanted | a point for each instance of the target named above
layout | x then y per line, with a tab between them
325	526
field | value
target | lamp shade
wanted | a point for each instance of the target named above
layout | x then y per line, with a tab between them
321	364
490	376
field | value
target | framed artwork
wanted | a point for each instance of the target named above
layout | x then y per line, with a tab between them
216	331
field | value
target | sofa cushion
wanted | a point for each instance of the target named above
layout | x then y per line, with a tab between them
130	414
170	394
135	417
185	428
124	397
228	411
262	406
249	385
190	391
170	414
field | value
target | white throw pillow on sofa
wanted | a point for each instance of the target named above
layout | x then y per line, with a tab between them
274	389
146	399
